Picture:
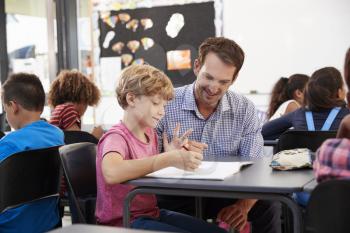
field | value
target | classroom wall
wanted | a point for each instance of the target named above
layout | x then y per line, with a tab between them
285	37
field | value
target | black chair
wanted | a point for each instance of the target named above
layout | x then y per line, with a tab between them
78	136
28	176
328	208
4	126
312	140
292	139
79	166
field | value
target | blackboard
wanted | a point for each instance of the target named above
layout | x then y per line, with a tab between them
199	24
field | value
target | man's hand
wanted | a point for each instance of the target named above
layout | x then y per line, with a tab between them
236	215
195	146
178	142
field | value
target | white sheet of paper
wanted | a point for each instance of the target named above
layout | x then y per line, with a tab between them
206	171
110	69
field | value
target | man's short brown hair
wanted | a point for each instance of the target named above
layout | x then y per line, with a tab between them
143	80
227	50
26	89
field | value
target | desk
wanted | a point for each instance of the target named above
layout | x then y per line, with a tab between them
309	187
81	228
255	181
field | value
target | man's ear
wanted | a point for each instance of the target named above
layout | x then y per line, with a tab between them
130	99
196	67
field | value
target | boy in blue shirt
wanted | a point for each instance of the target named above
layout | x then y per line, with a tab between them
23	99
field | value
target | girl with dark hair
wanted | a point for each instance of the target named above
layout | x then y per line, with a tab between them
344	129
333	155
287	95
324	109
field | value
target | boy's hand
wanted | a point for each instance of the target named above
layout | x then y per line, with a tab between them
177	142
97	132
186	160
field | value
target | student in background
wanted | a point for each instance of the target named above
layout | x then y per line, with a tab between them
129	150
344	129
23	99
69	96
333	156
325	106
287	95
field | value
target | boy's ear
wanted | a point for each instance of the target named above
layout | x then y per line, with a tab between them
130	99
13	106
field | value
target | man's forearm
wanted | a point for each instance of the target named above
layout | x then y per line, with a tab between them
247	204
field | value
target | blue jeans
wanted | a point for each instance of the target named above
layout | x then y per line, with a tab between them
302	198
170	221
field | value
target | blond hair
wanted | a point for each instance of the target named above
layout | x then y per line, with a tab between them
73	86
143	80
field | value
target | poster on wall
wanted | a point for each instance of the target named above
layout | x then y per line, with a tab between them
166	37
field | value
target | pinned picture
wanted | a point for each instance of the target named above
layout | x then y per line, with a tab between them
179	59
111	21
147	42
146	23
124	17
126	59
133	24
109	36
175	24
133	45
118	47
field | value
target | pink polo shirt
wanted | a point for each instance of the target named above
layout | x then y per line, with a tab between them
110	198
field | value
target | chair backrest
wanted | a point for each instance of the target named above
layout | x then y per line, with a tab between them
328	208
28	176
78	136
312	140
79	166
4	126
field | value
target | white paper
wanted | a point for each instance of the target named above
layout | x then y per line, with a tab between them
110	70
206	171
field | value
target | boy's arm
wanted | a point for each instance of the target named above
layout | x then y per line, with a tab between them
117	170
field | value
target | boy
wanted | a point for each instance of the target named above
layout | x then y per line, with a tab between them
129	150
23	98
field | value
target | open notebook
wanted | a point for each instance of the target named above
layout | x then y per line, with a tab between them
206	171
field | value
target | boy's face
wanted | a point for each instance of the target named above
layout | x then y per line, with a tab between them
149	110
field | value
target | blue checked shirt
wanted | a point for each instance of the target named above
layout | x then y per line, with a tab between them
232	130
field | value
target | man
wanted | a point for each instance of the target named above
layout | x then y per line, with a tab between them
225	121
23	98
